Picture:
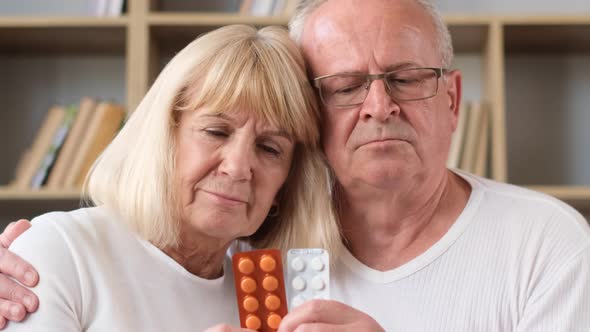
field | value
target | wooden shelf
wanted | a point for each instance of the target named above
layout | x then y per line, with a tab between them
212	19
63	35
469	37
146	38
10	194
544	19
579	196
170	32
547	34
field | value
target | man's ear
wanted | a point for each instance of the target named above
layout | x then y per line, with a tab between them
453	91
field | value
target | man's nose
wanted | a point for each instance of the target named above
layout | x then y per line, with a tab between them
238	160
379	104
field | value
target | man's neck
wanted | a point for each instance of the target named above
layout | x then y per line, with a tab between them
401	225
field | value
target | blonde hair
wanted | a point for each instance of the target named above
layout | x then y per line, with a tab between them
261	71
443	39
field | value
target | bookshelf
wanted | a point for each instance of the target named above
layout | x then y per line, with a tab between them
500	56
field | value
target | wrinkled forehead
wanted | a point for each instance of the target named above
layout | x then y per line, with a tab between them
342	36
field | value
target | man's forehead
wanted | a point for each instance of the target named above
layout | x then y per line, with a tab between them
332	45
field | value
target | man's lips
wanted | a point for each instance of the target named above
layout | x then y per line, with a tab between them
382	141
226	197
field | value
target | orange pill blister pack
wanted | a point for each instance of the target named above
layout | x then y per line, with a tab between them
260	289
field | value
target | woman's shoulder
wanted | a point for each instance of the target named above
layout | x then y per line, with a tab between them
56	233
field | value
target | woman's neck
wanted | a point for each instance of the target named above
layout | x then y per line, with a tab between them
203	258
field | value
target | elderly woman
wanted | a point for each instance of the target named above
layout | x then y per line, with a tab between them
222	150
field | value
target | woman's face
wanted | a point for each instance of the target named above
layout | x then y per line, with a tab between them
229	168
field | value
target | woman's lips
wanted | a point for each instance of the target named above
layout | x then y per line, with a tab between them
226	197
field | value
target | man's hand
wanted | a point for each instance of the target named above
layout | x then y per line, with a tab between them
226	328
323	315
15	300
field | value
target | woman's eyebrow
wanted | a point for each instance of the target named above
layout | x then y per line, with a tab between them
280	133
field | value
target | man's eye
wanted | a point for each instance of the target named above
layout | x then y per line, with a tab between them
348	89
404	80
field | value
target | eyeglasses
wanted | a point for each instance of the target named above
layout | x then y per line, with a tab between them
347	90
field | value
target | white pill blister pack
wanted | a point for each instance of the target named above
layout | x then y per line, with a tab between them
308	276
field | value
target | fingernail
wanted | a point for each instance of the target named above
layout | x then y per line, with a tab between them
30	277
14	310
28	300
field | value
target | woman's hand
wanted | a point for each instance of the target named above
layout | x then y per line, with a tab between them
15	300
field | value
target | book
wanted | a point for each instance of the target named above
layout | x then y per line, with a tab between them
471	138
458	138
41	144
21	165
261	7
481	154
104	124
290	7
56	144
65	156
100	7
114	8
278	7
245	7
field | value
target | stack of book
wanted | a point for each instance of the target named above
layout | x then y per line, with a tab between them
67	144
470	142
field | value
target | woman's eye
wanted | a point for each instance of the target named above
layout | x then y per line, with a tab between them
269	149
216	133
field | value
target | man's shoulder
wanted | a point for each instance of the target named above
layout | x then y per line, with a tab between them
530	212
517	199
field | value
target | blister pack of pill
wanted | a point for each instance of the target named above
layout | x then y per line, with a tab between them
308	276
260	289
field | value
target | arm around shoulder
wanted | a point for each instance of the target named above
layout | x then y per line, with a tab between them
58	290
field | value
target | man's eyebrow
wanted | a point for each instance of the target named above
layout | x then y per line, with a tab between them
401	65
393	67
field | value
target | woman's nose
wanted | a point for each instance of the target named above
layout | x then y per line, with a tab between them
237	162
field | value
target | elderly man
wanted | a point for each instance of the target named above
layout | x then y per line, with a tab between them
425	248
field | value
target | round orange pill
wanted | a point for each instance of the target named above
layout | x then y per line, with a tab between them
267	263
250	303
248	284
270	283
272	302
246	265
273	321
253	322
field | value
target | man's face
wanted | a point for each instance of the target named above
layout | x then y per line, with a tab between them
382	141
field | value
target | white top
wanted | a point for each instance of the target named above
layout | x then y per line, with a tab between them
514	260
97	276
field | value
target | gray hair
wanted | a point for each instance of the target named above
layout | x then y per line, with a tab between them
444	42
